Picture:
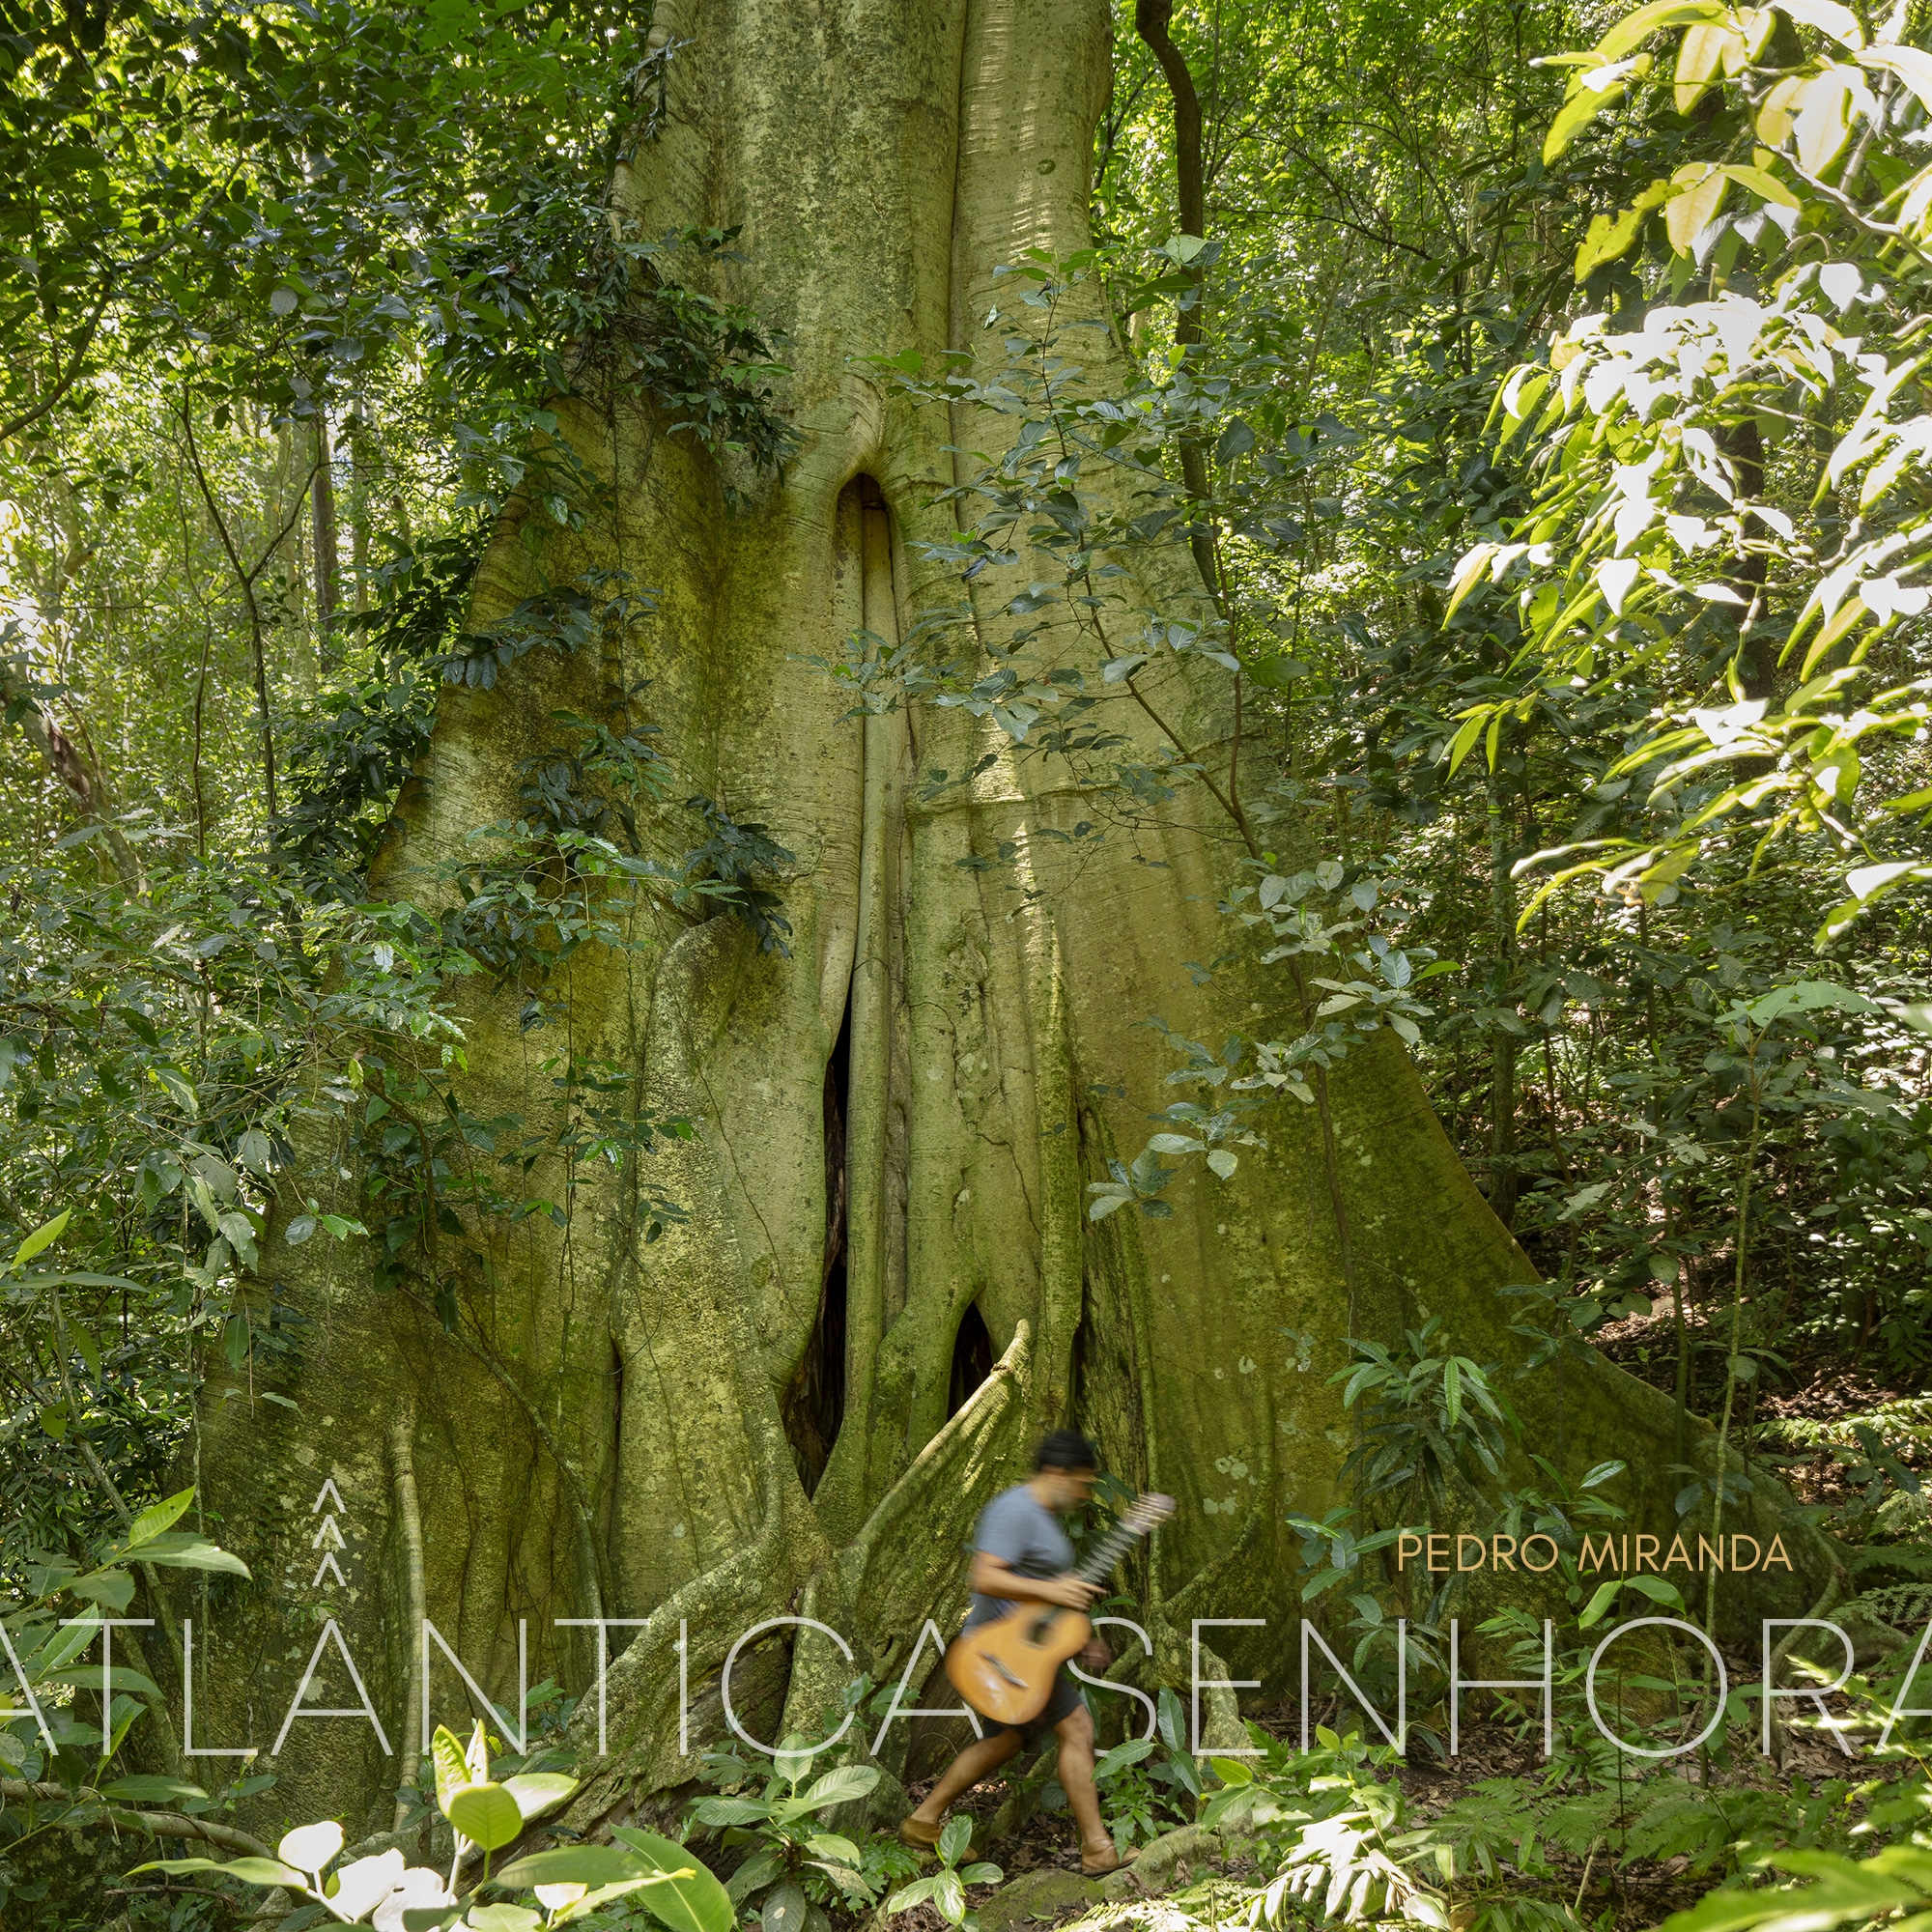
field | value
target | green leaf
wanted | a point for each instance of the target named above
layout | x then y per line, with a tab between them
1575	115
178	1088
956	1838
830	1845
87	1677
1634	29
783	1910
537	1792
451	1773
486	1814
501	1918
1658	1591
146	1789
910	1895
754	1875
578	1864
190	1553
112	1588
43	1237
721	1811
838	1786
690	1900
1593	1610
250	1871
949	1895
1768	187
158	1517
1123	1755
1465	741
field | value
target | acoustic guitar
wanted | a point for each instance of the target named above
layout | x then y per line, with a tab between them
1004	1669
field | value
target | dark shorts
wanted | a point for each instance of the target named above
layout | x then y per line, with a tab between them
1061	1702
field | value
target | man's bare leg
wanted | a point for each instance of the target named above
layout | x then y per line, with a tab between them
1075	1732
977	1761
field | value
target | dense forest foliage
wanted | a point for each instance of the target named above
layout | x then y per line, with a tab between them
1539	393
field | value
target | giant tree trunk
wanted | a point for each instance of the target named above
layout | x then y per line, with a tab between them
733	1423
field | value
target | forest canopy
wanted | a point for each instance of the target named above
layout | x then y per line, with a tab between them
826	739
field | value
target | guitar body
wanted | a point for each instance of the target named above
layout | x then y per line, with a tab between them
1004	1669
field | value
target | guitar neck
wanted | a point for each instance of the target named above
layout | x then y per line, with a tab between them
1112	1547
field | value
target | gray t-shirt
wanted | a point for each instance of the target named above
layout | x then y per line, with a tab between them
1020	1533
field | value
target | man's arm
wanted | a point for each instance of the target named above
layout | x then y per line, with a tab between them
994	1576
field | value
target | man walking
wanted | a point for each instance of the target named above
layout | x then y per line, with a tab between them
1021	1556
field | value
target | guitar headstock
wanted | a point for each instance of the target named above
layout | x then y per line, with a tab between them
1148	1513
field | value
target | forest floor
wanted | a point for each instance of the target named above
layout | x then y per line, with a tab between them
1617	1895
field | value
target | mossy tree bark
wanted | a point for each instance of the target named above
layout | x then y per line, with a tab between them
748	1418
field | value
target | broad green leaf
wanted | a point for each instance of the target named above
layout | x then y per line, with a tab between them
250	1871
1767	187
691	1899
1607	239
1464	740
1810	996
1776	112
1606	1596
1699	56
1132	1751
1634	29
721	1811
109	1587
87	1677
190	1552
1693	207
157	1517
151	1789
785	1908
486	1814
178	1088
830	1845
501	1917
1659	1592
537	1792
1575	115
1822	121
754	1875
838	1786
580	1864
43	1237
452	1774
